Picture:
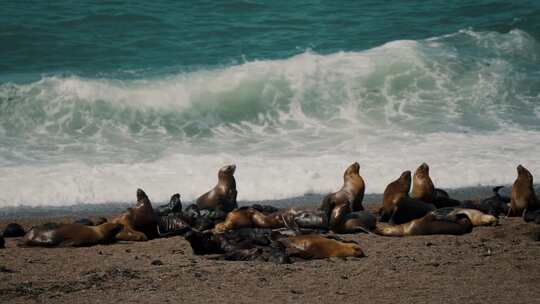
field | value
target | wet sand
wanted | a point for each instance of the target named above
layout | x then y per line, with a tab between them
490	265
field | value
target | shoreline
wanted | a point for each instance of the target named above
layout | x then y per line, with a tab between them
309	200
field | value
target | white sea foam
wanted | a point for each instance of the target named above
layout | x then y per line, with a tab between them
466	103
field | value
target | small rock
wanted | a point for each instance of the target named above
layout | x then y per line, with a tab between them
157	262
128	250
429	244
296	291
343	277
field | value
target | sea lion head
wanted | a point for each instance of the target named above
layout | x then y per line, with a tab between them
524	173
227	171
352	170
422	170
354	250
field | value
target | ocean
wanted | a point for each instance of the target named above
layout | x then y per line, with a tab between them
100	98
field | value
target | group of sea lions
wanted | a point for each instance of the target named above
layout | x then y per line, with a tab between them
216	225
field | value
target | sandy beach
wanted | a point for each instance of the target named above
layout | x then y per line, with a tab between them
490	265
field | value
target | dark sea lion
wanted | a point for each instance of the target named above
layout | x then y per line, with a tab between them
523	197
173	207
343	220
172	224
84	221
223	195
71	235
314	246
352	191
532	216
13	230
495	205
395	192
427	225
408	209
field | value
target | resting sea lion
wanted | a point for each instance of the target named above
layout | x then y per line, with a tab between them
429	224
314	246
408	209
352	191
13	230
139	223
495	205
523	197
343	220
49	235
477	218
223	195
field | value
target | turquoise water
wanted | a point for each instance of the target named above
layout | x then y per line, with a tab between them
100	98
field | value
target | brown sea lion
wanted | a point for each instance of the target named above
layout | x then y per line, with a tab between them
314	246
523	197
223	195
49	235
477	218
352	191
140	223
422	187
424	190
343	220
394	193
427	225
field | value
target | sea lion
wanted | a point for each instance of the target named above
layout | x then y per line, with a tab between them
523	197
49	235
495	205
395	192
408	209
13	230
173	207
477	218
427	225
424	190
314	246
223	195
422	187
343	220
352	191
139	223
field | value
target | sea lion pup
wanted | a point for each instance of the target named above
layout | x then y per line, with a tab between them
495	205
343	220
140	223
314	246
223	195
13	230
49	235
352	191
394	193
424	190
477	218
523	197
427	225
173	207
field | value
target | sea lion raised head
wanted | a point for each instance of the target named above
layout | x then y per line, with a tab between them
523	196
395	192
223	195
423	188
352	191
